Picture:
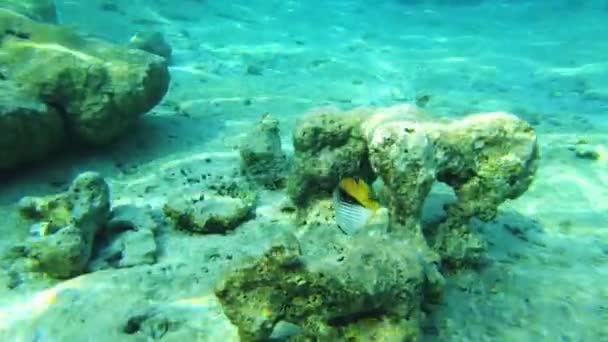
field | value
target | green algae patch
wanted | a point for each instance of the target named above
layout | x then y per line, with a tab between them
63	226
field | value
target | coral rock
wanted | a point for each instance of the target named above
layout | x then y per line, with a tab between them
100	89
65	225
29	129
211	214
485	158
362	287
262	158
328	145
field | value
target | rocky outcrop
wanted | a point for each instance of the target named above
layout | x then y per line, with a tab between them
63	226
328	144
29	128
367	288
486	159
211	208
372	284
98	89
262	159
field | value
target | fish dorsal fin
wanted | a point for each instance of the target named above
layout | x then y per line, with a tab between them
359	190
356	188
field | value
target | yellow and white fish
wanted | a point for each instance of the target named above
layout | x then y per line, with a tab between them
354	208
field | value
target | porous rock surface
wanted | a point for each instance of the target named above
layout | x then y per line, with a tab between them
99	90
63	226
486	158
262	159
210	210
374	283
328	144
29	128
333	288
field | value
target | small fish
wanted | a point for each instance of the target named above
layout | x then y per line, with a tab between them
40	229
354	208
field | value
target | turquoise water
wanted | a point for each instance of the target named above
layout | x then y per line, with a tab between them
232	61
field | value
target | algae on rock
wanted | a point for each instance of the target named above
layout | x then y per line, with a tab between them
368	286
207	211
100	89
487	159
29	129
64	226
349	287
262	159
328	144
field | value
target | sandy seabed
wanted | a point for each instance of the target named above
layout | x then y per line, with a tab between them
234	61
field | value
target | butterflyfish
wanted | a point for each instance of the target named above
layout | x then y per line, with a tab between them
353	205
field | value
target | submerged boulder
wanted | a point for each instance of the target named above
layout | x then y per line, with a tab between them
214	209
207	214
262	159
29	129
362	289
486	158
98	88
63	226
371	284
403	156
328	144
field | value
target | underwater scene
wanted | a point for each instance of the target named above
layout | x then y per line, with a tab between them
301	170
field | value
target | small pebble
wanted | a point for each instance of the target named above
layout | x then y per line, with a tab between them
254	70
586	152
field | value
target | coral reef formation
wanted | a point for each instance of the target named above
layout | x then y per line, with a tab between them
98	89
332	287
64	226
262	159
374	283
377	283
486	159
76	231
328	144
